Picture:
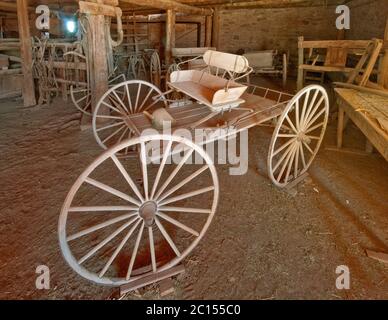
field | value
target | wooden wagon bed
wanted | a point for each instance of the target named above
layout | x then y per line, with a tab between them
255	110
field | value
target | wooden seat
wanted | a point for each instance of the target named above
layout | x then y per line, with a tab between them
213	91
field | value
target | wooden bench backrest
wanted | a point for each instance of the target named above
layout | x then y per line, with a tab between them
336	57
227	61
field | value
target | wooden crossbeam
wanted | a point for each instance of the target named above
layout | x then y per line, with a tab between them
172	5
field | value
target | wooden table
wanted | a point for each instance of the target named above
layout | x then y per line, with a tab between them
361	108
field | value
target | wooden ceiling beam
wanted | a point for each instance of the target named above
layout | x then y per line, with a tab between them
11	6
172	5
277	4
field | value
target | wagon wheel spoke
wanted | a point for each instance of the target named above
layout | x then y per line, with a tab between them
122	135
174	173
152	248
177	223
302	156
111	190
113	134
184	209
315	118
297	115
100	226
304	108
285	154
306	123
81	98
115	124
315	127
282	147
134	252
161	167
102	208
118	249
167	237
121	102
286	162
143	160
183	182
106	240
291	124
187	195
311	104
290	163
146	98
296	166
137	97
113	108
308	148
127	177
129	98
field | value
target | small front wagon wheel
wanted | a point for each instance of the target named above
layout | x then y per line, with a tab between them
298	135
120	101
124	219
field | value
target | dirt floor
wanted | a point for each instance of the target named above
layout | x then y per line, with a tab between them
263	243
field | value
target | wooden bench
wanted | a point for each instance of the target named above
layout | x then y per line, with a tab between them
368	112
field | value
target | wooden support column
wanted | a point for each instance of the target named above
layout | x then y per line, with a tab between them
208	31
170	35
216	29
300	80
26	53
98	58
199	33
383	68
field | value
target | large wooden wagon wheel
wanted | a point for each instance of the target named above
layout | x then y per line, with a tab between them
124	219
298	135
110	124
155	69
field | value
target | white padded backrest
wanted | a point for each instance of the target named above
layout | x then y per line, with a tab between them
190	52
226	61
260	59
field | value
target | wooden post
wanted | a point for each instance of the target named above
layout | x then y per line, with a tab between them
199	32
99	61
26	53
215	29
383	68
208	31
300	80
170	35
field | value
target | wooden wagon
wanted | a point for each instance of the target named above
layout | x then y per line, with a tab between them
157	202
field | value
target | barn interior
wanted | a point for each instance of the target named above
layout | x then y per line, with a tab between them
298	212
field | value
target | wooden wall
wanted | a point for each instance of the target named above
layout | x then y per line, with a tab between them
261	29
367	19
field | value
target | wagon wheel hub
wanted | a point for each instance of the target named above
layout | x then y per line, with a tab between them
147	212
302	137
